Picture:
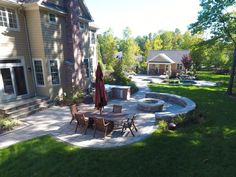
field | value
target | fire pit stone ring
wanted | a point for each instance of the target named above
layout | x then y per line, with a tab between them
150	105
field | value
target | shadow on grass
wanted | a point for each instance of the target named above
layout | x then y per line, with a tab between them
202	150
165	154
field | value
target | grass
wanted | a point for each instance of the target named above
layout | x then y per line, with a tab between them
200	150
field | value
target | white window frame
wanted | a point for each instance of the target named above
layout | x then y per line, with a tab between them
4	28
56	18
178	66
58	67
82	28
167	67
157	67
36	82
91	37
11	65
89	67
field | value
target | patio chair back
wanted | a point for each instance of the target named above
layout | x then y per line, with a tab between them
117	108
73	111
101	125
82	121
129	123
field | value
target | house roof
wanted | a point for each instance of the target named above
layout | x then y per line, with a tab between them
174	55
53	6
62	9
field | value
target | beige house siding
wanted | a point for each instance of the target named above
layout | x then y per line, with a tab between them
174	68
14	44
36	42
86	52
53	37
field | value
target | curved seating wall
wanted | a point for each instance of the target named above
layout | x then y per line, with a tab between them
186	104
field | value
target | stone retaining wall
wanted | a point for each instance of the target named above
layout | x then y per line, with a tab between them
187	104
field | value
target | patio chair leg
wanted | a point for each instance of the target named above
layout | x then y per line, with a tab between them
131	131
71	120
135	127
123	129
94	132
76	127
86	127
105	133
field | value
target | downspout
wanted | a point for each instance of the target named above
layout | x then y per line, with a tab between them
28	45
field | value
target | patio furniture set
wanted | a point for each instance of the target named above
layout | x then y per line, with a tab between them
105	121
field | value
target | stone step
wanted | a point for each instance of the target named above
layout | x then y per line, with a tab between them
30	110
17	105
29	107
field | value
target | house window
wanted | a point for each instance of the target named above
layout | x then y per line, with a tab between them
87	67
54	70
52	18
179	66
38	68
8	18
81	25
93	38
167	67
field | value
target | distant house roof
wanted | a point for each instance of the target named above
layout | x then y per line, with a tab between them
175	55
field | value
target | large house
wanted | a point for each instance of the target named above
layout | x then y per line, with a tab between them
165	62
47	47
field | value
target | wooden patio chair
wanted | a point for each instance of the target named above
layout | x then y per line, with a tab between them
73	111
117	108
129	123
102	125
82	121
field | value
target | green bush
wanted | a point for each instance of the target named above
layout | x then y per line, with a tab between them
163	125
7	124
118	78
73	97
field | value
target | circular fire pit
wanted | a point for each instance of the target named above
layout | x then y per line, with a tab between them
151	105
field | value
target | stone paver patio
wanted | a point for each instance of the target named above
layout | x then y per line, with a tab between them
55	121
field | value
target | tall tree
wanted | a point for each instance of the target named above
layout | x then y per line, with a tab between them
157	43
177	39
129	49
166	38
108	48
215	16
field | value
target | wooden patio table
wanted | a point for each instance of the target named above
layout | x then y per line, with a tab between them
114	118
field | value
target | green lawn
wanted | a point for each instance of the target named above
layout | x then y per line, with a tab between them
206	150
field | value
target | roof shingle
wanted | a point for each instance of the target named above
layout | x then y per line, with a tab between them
175	55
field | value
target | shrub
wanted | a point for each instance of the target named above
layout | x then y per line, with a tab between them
7	124
73	97
163	125
118	78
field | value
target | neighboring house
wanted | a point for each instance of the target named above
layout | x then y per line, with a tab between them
167	62
47	47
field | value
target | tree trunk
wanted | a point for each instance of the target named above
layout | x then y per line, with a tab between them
232	74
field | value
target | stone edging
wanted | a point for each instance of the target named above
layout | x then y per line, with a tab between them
187	104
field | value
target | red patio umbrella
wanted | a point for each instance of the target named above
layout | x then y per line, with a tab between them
100	93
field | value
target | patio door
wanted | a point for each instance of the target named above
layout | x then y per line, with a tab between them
13	81
20	80
7	84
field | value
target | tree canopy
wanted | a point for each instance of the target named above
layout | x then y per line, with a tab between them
218	18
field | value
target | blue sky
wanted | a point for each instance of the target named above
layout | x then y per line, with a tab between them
143	16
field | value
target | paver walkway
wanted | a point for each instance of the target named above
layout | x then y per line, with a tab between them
55	121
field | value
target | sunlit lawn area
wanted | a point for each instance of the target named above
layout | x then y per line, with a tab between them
199	150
